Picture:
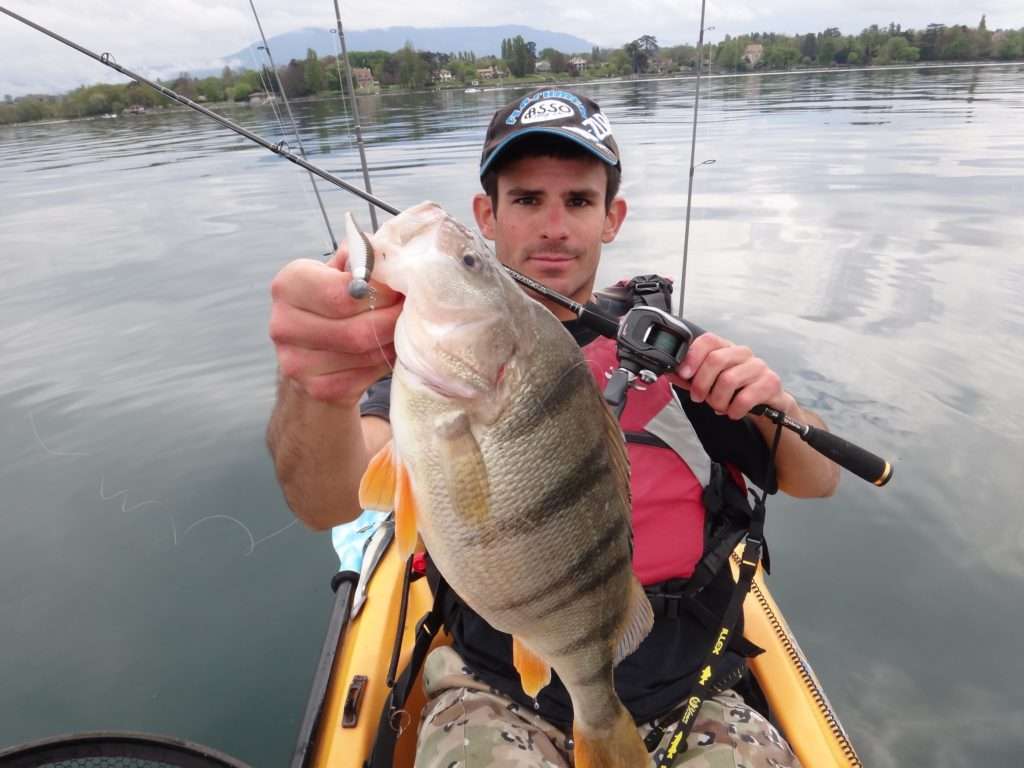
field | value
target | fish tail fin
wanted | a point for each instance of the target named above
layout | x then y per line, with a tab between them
619	746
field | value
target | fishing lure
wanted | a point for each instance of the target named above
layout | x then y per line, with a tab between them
360	258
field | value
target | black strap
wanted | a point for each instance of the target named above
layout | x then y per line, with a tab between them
645	438
651	291
388	730
686	715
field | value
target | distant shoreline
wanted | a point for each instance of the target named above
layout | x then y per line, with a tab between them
526	82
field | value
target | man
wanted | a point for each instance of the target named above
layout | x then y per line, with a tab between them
550	171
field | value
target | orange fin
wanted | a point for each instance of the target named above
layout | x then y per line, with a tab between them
534	672
377	488
619	746
405	514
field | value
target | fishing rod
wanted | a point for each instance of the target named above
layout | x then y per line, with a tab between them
355	112
295	126
693	148
657	341
107	60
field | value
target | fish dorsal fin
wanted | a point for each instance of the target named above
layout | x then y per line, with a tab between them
638	623
617	455
462	462
377	488
534	672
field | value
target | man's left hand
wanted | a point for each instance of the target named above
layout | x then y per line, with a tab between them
729	378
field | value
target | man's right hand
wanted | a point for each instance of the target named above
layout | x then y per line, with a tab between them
332	345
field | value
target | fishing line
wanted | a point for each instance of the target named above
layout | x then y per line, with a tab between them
355	112
261	69
295	126
693	148
108	61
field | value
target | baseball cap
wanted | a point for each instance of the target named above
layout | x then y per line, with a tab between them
554	111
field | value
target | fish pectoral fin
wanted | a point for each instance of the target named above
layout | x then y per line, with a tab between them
638	623
377	488
406	513
462	462
386	486
534	672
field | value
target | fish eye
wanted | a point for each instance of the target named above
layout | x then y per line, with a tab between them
471	261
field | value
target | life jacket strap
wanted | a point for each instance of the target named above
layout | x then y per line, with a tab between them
686	715
651	291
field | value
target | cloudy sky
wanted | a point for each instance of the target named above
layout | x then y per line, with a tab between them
163	37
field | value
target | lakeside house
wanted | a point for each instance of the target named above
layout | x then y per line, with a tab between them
542	66
258	98
443	75
753	54
364	79
578	64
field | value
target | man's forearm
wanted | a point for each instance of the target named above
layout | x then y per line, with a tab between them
319	455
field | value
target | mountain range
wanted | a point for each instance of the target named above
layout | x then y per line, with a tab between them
483	41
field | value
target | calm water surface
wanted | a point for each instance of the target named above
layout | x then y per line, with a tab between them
861	231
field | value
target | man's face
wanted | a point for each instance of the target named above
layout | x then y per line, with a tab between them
551	221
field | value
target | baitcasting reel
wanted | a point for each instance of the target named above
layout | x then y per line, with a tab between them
650	342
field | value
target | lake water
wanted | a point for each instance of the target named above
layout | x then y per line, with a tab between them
862	231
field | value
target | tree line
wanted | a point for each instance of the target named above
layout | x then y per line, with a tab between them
519	59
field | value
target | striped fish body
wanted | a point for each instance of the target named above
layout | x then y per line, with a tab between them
513	472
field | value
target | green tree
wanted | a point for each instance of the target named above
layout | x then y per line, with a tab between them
809	46
827	49
956	45
729	53
312	75
1010	46
781	55
618	63
559	61
897	49
413	72
211	88
520	59
929	40
293	79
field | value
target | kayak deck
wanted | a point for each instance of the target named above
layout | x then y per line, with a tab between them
357	687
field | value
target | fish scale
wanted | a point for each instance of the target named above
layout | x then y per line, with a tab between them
518	477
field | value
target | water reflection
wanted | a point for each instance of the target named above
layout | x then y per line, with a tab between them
861	231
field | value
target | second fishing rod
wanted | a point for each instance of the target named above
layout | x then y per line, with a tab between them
651	342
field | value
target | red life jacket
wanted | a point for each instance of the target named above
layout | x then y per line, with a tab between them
668	506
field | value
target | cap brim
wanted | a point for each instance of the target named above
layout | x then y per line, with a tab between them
596	150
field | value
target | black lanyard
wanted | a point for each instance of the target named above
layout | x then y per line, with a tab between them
686	715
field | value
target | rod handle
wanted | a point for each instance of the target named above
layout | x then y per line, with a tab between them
852	457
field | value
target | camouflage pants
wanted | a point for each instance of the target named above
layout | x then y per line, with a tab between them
466	724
